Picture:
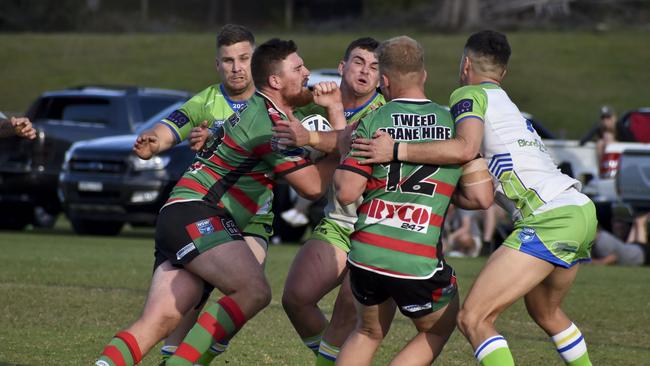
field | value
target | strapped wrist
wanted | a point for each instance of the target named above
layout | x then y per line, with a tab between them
396	151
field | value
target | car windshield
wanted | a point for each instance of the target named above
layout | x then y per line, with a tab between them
157	117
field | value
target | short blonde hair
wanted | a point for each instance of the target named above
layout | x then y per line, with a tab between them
401	58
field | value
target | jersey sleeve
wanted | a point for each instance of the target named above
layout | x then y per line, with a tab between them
281	160
188	116
352	163
468	101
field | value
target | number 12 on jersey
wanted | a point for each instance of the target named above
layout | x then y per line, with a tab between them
415	183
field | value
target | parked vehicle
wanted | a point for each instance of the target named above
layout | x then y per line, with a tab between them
104	185
29	169
623	187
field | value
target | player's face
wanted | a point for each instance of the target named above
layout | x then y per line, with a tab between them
360	72
294	76
234	67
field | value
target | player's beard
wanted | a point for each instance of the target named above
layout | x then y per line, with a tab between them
301	98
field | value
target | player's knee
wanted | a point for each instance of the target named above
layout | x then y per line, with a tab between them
544	317
294	298
467	321
259	293
372	332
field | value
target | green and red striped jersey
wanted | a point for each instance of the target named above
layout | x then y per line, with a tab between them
238	170
404	205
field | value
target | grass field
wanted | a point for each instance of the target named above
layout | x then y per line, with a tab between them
560	77
63	296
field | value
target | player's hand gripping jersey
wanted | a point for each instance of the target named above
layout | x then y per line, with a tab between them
238	173
212	105
345	216
526	176
404	205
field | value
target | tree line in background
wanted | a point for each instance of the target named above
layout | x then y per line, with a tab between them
324	15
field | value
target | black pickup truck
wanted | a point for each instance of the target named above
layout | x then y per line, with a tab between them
29	169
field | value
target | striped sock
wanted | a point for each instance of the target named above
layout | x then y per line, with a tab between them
494	351
326	354
313	342
166	352
215	350
219	321
122	350
572	347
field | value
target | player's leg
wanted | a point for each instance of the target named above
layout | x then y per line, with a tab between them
171	294
375	311
206	241
432	305
233	269
373	325
317	269
341	324
434	331
507	276
543	304
258	244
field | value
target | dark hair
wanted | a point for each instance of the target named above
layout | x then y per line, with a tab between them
234	33
365	43
266	58
490	44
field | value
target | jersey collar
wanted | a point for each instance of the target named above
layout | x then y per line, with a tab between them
234	105
349	113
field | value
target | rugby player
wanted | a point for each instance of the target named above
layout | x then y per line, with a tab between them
320	265
396	255
203	116
197	233
555	224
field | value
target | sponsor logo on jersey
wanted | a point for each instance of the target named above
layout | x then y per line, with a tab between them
407	216
527	234
102	363
185	250
233	119
230	226
415	308
178	118
205	227
532	143
463	106
409	127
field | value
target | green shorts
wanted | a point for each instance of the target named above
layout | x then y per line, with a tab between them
562	236
260	226
329	231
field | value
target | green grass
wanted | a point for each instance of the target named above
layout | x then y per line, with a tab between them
63	296
560	77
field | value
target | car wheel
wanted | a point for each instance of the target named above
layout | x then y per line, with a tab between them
94	227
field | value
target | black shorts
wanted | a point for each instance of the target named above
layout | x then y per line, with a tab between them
415	298
185	230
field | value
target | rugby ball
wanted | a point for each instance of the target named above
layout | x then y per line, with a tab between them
315	122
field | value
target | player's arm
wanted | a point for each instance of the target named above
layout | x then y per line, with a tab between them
458	150
349	185
312	181
154	141
475	190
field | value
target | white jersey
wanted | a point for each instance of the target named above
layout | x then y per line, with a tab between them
526	178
